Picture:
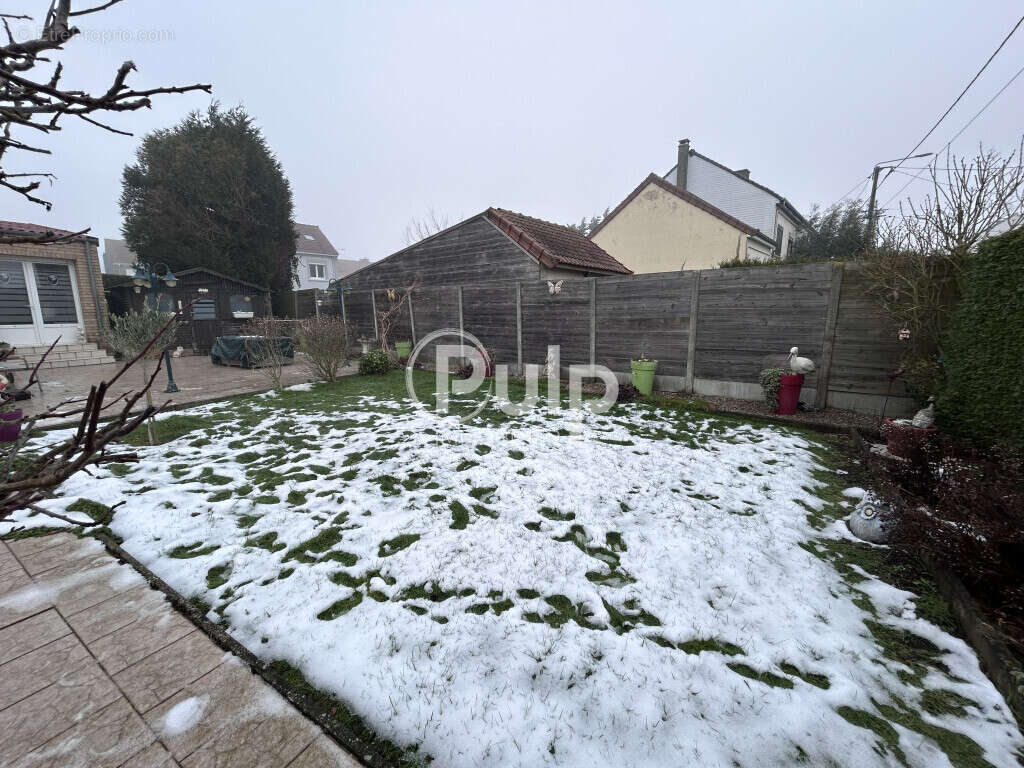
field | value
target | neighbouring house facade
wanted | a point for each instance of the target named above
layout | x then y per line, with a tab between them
491	246
50	291
118	258
738	195
661	228
697	216
317	259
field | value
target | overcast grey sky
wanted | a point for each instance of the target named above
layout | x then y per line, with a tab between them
382	111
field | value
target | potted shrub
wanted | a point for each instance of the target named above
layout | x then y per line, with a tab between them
643	373
10	417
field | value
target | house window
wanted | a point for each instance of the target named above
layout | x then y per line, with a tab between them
204	309
241	306
56	296
308	236
317	271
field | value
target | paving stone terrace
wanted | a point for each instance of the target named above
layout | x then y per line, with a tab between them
98	670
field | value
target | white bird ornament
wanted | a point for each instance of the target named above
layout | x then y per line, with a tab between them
554	288
925	418
800	365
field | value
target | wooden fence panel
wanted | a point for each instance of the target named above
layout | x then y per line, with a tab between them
562	319
434	308
866	345
489	313
748	318
359	314
644	313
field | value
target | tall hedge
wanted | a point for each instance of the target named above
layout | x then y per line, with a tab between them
983	397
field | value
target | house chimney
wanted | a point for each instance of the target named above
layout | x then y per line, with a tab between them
743	173
683	163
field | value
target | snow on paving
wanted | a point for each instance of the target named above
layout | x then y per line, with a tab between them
641	594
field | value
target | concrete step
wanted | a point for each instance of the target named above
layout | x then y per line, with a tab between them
36	350
65	355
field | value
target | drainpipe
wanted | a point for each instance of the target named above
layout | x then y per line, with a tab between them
95	296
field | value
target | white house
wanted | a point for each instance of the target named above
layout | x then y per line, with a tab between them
317	258
757	206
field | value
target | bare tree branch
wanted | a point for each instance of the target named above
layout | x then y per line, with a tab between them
29	102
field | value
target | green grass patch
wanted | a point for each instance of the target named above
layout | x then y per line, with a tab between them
767	678
184	552
389	547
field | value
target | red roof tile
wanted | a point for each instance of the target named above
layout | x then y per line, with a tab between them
555	245
31	229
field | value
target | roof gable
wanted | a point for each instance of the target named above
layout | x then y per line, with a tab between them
309	239
685	196
555	245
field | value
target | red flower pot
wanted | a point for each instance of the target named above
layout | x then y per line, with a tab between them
904	440
789	393
10	425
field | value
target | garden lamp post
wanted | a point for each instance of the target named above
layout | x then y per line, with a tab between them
147	276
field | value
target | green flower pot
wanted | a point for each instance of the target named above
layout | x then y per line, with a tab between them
643	375
403	348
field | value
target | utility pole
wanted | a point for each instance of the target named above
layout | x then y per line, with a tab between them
872	213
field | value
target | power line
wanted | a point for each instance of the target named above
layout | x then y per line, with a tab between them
958	134
957	100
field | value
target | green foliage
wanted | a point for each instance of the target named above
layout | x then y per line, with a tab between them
208	192
770	383
376	362
836	233
131	332
983	396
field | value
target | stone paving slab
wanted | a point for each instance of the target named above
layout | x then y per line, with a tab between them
97	670
197	378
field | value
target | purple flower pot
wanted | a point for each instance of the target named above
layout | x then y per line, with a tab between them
10	425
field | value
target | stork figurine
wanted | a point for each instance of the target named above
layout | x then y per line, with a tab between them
801	365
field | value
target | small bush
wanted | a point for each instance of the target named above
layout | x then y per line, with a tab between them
628	393
376	362
770	383
326	342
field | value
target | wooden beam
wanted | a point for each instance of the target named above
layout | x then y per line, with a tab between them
828	342
462	330
691	340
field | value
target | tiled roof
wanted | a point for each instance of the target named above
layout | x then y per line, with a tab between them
555	245
311	240
689	197
31	229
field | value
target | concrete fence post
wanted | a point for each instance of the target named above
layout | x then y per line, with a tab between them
458	293
373	309
412	320
519	327
593	321
341	304
691	340
828	340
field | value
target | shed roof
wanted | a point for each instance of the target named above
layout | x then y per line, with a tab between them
555	245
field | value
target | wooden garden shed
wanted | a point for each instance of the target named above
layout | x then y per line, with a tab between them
212	304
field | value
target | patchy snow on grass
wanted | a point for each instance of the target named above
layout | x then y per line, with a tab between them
652	591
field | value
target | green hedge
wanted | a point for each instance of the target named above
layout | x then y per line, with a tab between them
983	397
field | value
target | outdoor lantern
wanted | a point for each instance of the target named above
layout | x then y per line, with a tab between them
141	279
170	279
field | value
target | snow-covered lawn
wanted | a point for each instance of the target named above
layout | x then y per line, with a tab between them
663	589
